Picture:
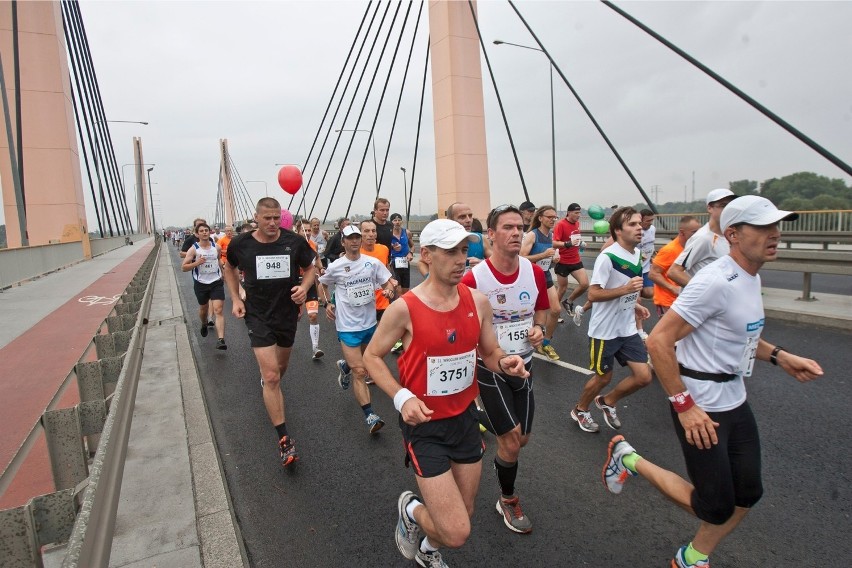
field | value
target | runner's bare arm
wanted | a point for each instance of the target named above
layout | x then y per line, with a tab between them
800	368
188	261
232	280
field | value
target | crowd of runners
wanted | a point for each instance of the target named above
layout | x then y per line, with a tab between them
465	338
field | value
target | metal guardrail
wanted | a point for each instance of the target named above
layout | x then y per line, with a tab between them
83	509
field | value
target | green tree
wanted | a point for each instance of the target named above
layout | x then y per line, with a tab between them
743	187
806	186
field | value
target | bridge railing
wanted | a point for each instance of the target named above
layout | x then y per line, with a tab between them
82	510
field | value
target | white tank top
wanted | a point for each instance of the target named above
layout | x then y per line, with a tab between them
208	272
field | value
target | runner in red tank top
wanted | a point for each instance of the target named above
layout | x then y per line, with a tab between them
443	328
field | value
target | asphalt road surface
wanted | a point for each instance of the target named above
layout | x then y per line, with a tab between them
338	506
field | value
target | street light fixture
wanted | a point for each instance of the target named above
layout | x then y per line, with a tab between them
125	121
265	185
552	114
151	198
373	139
405	194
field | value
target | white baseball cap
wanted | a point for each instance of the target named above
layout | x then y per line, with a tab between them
445	234
754	210
720	193
350	230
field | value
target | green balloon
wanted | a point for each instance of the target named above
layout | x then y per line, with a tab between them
601	227
596	212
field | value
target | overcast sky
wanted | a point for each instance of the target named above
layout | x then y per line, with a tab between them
261	74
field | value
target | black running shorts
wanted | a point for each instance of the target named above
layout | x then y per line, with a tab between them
565	270
263	334
507	400
432	446
728	474
206	292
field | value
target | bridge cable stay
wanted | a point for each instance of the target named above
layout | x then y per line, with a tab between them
331	99
728	85
243	206
339	104
401	91
79	125
19	129
106	153
500	102
102	149
361	112
419	123
587	111
349	109
384	92
118	189
85	104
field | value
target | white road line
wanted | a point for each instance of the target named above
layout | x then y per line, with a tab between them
580	370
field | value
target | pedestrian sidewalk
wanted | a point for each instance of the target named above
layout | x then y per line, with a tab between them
174	509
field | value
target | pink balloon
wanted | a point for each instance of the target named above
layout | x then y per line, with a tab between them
290	179
286	220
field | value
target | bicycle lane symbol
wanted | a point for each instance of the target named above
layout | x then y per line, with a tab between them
99	300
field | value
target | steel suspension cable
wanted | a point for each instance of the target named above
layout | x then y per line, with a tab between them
419	122
121	194
587	111
79	124
346	117
333	93
401	91
361	114
730	86
336	111
499	102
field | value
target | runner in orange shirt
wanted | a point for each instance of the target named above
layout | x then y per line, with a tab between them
666	290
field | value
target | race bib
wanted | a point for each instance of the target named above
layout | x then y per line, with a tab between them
544	263
450	374
513	336
748	356
360	294
629	301
274	266
320	248
400	261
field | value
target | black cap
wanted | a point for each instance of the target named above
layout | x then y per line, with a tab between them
574	207
527	206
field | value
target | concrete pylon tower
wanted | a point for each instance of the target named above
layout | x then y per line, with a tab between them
143	206
459	111
40	106
225	176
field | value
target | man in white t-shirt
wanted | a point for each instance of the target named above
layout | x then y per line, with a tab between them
647	249
716	323
707	244
353	309
614	288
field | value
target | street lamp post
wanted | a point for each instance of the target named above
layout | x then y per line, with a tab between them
552	113
373	140
151	198
265	185
405	195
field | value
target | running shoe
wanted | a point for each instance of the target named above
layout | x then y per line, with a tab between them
220	344
211	323
203	331
614	473
584	420
430	559
407	532
578	316
551	352
397	347
569	306
374	423
369	381
287	451
513	517
560	320
680	562
609	414
317	354
540	350
345	374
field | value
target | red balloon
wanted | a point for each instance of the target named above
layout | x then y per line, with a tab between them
290	179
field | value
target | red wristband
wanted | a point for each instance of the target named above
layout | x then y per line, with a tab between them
682	401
